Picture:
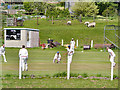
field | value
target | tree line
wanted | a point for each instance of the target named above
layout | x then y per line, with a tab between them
109	9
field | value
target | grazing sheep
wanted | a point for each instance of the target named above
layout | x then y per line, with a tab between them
68	22
86	23
92	24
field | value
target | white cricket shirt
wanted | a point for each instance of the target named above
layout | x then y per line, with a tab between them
23	52
2	49
72	43
57	56
69	52
111	51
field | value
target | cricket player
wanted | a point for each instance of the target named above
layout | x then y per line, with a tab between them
23	55
70	53
2	52
57	57
72	44
111	56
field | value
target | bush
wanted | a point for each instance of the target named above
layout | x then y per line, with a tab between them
84	75
47	75
74	75
26	75
7	75
57	13
114	76
63	74
99	75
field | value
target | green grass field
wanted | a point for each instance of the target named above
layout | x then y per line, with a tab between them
40	62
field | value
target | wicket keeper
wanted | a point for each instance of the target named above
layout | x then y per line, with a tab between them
57	57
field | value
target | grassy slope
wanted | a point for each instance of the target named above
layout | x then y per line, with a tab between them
79	31
59	30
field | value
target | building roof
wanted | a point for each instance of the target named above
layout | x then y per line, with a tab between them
29	29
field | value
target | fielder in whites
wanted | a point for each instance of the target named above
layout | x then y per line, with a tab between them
57	57
111	56
72	44
2	52
70	53
23	55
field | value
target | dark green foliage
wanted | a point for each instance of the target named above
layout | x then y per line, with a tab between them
99	75
114	76
47	75
110	11
26	75
28	6
74	75
8	75
84	75
57	13
104	5
62	74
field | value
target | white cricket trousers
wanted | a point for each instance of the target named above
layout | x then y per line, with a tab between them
24	63
112	60
3	54
70	58
68	66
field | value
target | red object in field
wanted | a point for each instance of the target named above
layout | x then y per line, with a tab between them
39	42
43	46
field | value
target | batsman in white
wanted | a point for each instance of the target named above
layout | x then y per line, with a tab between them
2	52
57	57
23	54
111	56
70	53
72	44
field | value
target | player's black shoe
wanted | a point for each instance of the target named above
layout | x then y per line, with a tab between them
114	65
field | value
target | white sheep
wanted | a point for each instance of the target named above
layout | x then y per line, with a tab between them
92	24
68	22
86	23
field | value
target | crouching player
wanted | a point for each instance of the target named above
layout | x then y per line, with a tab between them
2	52
23	55
57	57
111	56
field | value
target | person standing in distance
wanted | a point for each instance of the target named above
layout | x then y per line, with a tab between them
111	56
57	57
23	55
2	52
72	44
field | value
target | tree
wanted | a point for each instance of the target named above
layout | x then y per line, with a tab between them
85	9
39	7
28	6
51	11
104	5
62	4
110	11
